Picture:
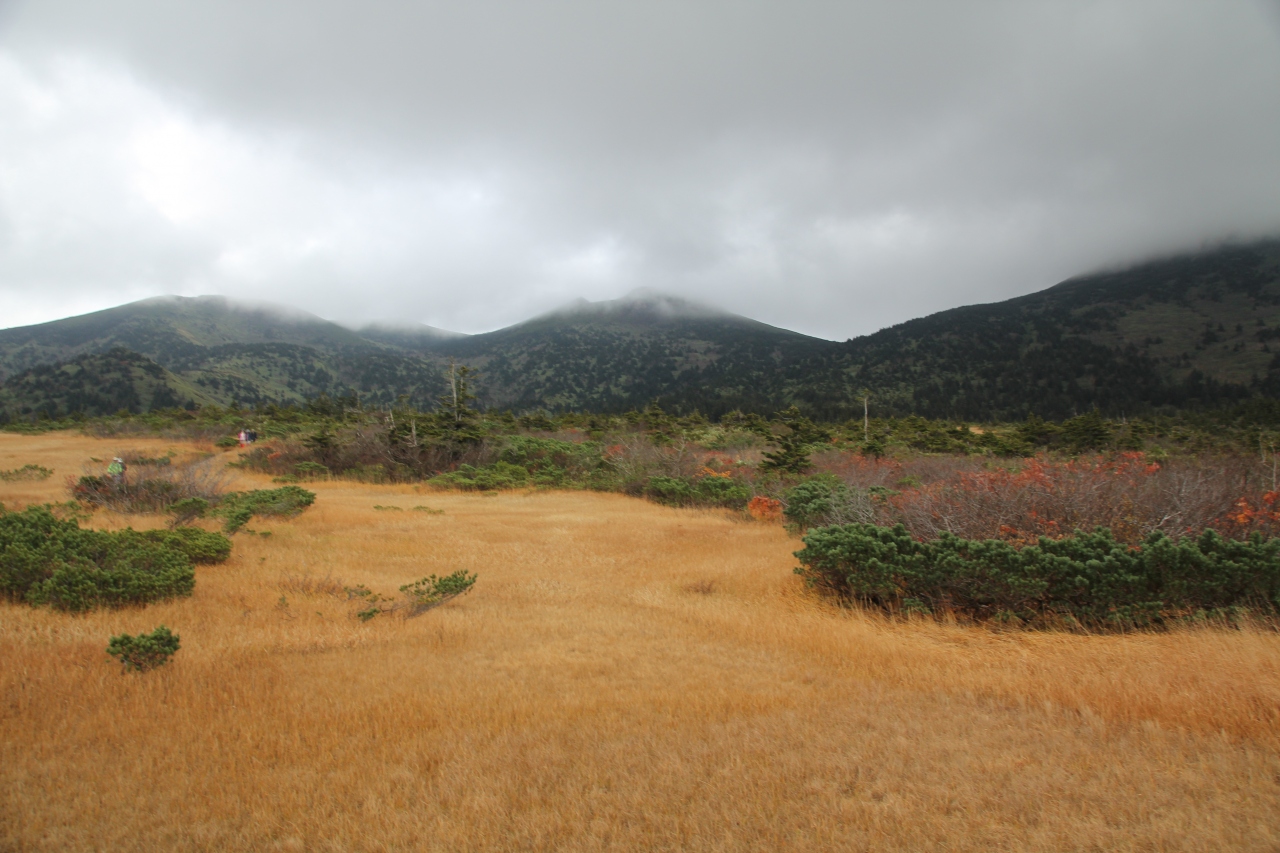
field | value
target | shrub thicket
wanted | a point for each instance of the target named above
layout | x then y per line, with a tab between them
708	490
824	500
1087	578
499	475
152	485
45	560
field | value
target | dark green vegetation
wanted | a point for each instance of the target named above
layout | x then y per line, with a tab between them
99	384
45	560
1085	579
1188	333
238	508
188	492
616	356
144	652
198	351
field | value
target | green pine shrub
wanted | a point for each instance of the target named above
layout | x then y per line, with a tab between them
26	472
311	470
237	508
825	500
700	491
45	560
187	510
144	652
432	591
200	546
416	598
552	462
1088	578
498	476
527	461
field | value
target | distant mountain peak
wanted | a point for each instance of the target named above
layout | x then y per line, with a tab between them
645	303
240	306
413	336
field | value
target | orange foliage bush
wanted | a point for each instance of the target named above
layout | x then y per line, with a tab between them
765	509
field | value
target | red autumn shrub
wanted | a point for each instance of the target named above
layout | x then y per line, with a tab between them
765	509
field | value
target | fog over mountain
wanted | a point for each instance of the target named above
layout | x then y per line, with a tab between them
832	168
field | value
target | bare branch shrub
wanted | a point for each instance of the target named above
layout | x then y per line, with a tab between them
366	455
151	488
1127	494
634	458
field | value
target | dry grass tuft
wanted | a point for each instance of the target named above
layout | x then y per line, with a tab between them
310	586
590	695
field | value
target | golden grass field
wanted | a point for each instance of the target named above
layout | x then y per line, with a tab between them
624	676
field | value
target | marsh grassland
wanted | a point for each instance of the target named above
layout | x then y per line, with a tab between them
624	676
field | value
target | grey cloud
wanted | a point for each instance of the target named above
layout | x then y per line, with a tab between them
831	167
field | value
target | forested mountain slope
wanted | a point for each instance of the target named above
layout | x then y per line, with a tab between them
1194	330
1190	331
97	384
230	352
619	355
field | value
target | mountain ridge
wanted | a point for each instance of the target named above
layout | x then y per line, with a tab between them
1188	330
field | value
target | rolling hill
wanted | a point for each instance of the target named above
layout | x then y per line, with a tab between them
1188	331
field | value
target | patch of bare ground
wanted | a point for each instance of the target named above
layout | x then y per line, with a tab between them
623	676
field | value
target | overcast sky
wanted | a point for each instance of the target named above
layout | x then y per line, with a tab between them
828	167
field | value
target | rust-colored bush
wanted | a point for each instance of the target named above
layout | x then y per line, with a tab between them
1128	494
765	509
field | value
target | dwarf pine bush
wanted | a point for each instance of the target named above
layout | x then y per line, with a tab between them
26	472
700	491
237	508
500	475
45	560
824	500
144	652
433	591
1088	578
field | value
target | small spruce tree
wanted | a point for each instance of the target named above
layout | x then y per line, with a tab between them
794	443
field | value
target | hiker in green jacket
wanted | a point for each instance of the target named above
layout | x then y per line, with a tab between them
116	470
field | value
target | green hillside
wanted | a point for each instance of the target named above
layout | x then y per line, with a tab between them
232	353
615	356
1195	330
167	327
96	384
1186	332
